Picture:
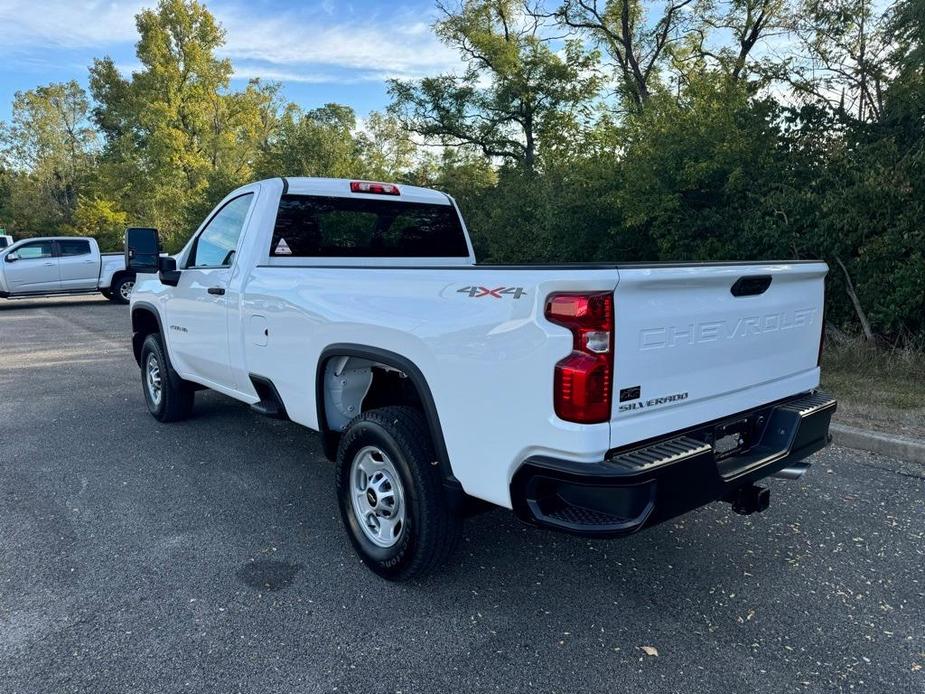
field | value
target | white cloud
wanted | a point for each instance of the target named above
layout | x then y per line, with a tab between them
314	45
272	74
65	24
399	44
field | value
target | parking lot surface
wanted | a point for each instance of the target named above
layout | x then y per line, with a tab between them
208	556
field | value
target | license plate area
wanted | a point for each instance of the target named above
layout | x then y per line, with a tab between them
732	438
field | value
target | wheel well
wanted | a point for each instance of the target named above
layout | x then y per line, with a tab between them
353	385
144	322
354	378
118	275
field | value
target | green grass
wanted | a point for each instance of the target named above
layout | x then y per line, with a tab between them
876	388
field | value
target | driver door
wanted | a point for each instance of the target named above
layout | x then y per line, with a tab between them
197	312
34	270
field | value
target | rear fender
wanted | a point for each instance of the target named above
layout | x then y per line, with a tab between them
330	437
110	268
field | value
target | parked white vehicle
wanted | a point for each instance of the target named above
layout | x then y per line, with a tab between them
63	265
594	399
5	240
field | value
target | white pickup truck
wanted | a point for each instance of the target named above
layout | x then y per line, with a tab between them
63	265
593	399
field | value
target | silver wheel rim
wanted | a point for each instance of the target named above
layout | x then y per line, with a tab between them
125	290
377	497
153	379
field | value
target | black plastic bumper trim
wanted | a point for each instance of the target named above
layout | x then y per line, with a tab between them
635	488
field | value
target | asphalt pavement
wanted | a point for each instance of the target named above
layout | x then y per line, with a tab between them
207	556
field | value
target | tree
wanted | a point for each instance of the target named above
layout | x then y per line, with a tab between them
49	148
841	59
744	24
516	88
175	139
386	148
318	142
101	220
701	175
635	42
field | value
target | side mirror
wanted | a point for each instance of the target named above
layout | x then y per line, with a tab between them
11	257
167	271
142	249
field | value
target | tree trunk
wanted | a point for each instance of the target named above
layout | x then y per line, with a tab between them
858	309
530	147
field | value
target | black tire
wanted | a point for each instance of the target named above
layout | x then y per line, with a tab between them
116	293
431	530
176	395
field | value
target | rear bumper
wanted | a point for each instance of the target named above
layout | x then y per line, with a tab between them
634	488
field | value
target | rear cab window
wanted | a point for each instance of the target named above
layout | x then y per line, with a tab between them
71	247
312	226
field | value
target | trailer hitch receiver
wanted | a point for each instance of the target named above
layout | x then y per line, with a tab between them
750	499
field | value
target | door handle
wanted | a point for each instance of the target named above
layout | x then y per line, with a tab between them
217	291
47	264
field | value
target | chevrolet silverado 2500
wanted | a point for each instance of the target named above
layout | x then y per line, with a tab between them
63	265
593	399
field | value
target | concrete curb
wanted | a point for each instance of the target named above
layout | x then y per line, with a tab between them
876	442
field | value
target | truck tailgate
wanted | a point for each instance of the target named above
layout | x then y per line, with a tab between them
696	343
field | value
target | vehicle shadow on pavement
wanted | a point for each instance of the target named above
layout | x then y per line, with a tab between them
497	550
20	304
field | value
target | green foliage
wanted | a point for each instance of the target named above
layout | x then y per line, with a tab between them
49	148
517	91
101	219
682	142
318	142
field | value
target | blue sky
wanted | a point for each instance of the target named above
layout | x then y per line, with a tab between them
321	50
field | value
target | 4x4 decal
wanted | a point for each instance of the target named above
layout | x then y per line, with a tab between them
496	293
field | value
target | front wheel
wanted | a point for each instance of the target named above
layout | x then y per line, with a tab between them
121	290
169	397
391	496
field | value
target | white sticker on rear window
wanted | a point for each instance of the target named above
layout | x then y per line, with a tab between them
282	248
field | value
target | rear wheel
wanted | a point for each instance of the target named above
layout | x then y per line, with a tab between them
121	290
391	496
169	397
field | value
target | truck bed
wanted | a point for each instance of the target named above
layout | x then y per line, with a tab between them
491	356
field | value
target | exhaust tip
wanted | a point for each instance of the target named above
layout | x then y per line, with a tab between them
792	472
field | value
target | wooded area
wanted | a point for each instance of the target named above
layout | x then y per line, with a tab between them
617	130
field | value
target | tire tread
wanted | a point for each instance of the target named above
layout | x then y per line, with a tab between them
438	527
177	396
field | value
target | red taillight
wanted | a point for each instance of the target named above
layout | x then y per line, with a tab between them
583	380
372	187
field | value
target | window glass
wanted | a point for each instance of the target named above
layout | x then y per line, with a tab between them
314	226
37	249
74	247
216	244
